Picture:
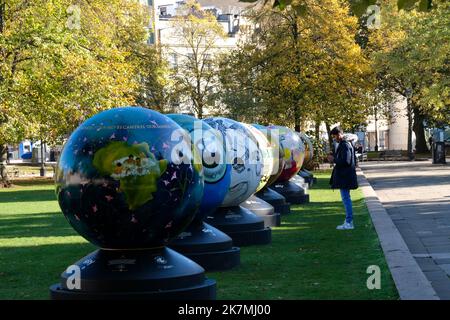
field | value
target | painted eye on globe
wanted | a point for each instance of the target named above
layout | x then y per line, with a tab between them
214	166
238	165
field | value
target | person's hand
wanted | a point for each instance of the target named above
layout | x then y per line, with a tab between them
330	158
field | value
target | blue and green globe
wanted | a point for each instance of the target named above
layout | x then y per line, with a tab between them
243	154
126	179
217	173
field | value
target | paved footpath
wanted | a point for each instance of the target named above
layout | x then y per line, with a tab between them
416	196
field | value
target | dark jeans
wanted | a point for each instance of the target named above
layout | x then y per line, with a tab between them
345	195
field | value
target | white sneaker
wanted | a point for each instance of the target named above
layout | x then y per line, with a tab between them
346	226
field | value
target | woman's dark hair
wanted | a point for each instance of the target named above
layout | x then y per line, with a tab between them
336	130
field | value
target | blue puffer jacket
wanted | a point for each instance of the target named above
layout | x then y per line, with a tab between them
344	172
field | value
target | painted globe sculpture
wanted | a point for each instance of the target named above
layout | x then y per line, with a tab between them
245	159
268	154
293	151
309	148
278	158
124	182
217	173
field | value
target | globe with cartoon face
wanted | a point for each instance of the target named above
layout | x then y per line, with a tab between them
293	151
127	179
269	154
243	154
217	173
276	150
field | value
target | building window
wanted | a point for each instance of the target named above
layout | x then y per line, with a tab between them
151	38
173	60
371	141
384	139
381	139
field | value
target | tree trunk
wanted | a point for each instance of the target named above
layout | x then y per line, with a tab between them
376	128
317	130
330	140
419	130
200	112
2	15
297	120
297	71
409	113
4	179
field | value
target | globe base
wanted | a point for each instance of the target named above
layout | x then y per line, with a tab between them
208	246
264	210
134	274
300	181
293	193
243	226
276	200
308	176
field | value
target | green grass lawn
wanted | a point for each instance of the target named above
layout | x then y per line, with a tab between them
308	258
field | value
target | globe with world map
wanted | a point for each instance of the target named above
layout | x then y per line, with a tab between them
127	179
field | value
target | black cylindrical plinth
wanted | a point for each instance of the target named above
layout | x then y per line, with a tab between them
243	226
300	181
136	274
307	175
311	174
293	193
264	210
275	199
208	246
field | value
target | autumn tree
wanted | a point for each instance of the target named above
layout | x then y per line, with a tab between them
195	76
61	63
302	64
412	61
155	90
411	56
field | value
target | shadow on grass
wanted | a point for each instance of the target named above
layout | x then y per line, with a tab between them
327	207
34	225
27	196
27	272
322	183
33	182
307	259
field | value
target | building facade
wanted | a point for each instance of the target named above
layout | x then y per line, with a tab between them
389	134
230	15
